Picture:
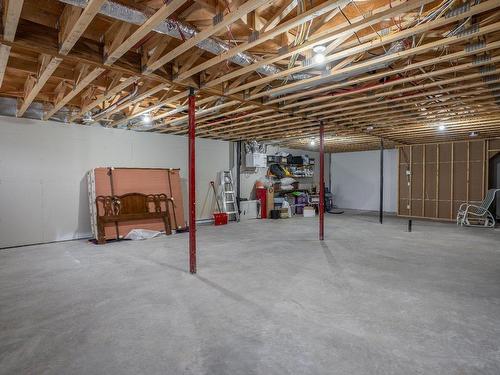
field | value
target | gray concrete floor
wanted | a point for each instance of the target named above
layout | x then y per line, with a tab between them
268	299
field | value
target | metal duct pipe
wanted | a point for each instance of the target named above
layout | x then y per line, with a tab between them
175	28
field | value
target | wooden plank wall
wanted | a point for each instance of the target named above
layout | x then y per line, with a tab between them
434	179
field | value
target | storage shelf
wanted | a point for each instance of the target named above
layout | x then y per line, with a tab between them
293	164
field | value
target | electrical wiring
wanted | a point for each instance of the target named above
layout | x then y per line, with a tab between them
300	37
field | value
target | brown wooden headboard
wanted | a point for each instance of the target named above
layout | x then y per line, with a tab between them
131	206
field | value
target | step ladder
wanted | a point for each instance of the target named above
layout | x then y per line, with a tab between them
229	204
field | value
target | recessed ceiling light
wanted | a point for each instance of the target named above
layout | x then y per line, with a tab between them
313	142
473	134
441	127
369	128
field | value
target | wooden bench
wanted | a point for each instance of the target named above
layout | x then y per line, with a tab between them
131	206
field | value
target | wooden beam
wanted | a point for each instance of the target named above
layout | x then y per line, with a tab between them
284	11
420	93
375	43
153	51
476	104
279	30
203	126
384	59
114	90
84	82
262	122
47	65
114	38
332	34
375	77
208	32
11	14
117	51
183	107
10	19
193	57
296	128
200	113
4	58
168	100
73	23
141	96
423	88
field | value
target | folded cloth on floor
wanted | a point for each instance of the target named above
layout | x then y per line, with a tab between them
142	234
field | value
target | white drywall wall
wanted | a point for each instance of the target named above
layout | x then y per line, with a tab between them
43	166
356	180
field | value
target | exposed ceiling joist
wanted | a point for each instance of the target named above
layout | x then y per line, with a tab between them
119	50
227	20
252	67
10	19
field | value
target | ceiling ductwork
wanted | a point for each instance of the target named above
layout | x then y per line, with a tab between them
175	28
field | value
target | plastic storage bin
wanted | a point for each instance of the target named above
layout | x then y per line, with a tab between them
309	211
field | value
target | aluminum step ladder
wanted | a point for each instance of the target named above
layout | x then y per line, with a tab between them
229	204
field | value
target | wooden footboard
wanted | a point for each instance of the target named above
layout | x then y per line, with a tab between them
131	206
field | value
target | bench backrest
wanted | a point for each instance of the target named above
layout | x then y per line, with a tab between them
131	204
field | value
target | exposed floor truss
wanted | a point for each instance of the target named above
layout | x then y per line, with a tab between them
403	71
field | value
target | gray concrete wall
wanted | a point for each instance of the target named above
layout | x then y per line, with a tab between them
356	176
43	166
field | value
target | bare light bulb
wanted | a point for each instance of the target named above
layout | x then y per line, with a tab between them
319	58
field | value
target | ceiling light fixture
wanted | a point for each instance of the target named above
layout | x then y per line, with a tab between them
319	49
313	142
319	57
441	127
146	118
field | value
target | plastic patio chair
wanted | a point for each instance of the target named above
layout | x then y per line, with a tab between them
477	216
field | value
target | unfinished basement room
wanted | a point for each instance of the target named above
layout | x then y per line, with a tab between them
250	187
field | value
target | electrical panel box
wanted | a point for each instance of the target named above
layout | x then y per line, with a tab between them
256	160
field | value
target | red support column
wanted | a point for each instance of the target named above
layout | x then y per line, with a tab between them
192	182
321	181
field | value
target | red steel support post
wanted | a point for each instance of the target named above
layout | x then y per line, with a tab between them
321	181
192	182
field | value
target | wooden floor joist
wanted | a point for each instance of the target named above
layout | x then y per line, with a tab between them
10	18
391	69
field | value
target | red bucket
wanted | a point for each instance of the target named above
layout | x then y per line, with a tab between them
220	218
